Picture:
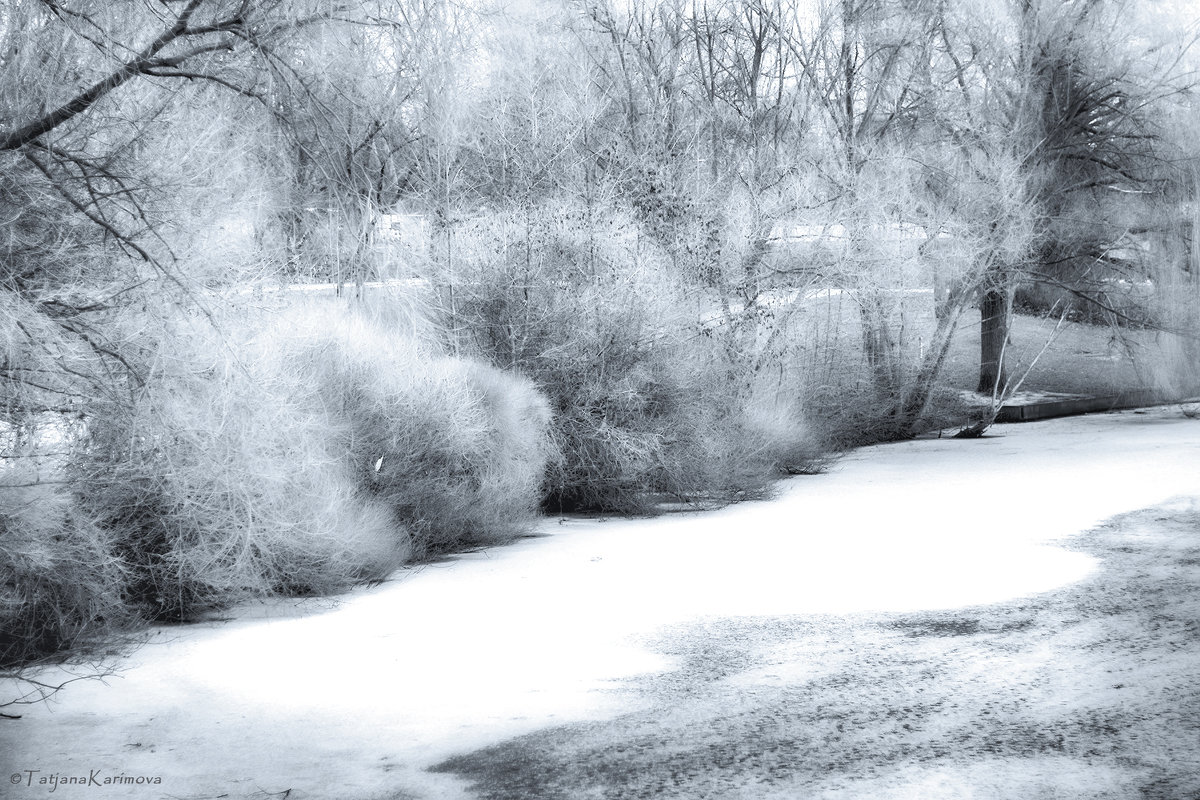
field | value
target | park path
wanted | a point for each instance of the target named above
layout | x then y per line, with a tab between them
357	696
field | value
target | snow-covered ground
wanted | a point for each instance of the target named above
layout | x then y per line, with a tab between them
354	697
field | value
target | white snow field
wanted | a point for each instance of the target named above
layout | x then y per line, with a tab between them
353	697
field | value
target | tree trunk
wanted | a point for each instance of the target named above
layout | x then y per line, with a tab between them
878	347
917	397
993	334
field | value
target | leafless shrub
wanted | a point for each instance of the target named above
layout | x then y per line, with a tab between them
647	401
60	580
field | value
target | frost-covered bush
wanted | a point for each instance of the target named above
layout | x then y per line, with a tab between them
646	401
301	456
218	482
60	581
454	449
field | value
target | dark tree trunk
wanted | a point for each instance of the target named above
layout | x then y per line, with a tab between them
993	334
878	346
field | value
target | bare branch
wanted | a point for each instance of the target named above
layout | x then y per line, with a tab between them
83	101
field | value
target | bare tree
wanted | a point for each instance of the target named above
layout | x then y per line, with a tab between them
1078	116
866	66
92	134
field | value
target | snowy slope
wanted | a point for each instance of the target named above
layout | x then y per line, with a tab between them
353	697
